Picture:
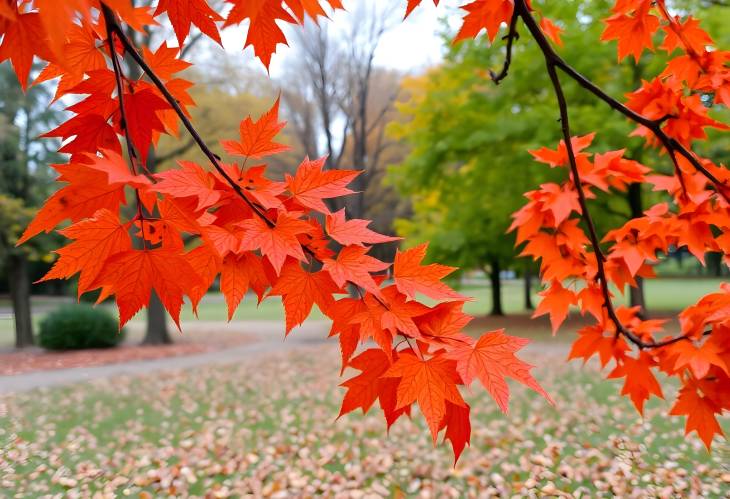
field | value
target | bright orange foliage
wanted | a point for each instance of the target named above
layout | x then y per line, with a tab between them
265	235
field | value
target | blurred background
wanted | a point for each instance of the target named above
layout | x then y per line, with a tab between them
444	156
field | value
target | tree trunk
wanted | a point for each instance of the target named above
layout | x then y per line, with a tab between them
496	285
528	289
19	282
157	332
714	264
636	294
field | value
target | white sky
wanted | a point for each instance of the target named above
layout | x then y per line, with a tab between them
410	46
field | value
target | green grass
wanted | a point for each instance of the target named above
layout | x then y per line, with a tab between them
662	295
270	423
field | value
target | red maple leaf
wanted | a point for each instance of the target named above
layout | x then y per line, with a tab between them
183	13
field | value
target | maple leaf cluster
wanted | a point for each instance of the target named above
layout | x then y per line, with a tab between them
188	226
696	216
577	268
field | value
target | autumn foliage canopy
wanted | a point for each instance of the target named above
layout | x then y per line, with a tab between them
132	231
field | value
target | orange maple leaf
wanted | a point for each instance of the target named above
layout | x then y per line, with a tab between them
300	290
310	185
485	15
353	231
257	138
411	277
556	301
354	265
491	359
132	275
238	273
95	240
701	414
430	382
277	242
633	31
190	180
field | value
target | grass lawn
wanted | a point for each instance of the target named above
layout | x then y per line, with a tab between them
668	294
268	426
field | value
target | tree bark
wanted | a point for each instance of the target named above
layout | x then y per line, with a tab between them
157	332
714	264
19	282
636	294
528	289
496	285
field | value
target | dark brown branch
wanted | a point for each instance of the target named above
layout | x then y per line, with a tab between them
655	126
114	26
131	154
512	35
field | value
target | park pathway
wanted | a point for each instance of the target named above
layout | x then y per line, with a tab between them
268	338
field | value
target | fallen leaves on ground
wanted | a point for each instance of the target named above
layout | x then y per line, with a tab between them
265	428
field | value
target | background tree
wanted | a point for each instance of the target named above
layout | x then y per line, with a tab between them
341	107
25	181
469	165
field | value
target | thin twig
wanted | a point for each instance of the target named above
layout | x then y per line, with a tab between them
114	26
512	35
131	154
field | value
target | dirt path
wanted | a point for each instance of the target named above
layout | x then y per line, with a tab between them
268	338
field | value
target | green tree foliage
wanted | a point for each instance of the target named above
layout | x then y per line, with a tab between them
468	167
25	181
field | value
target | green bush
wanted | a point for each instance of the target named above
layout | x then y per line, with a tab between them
75	327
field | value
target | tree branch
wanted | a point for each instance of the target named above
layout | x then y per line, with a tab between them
131	154
114	27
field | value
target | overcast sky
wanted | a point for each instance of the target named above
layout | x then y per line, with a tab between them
410	46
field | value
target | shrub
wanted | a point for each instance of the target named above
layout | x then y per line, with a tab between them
76	327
